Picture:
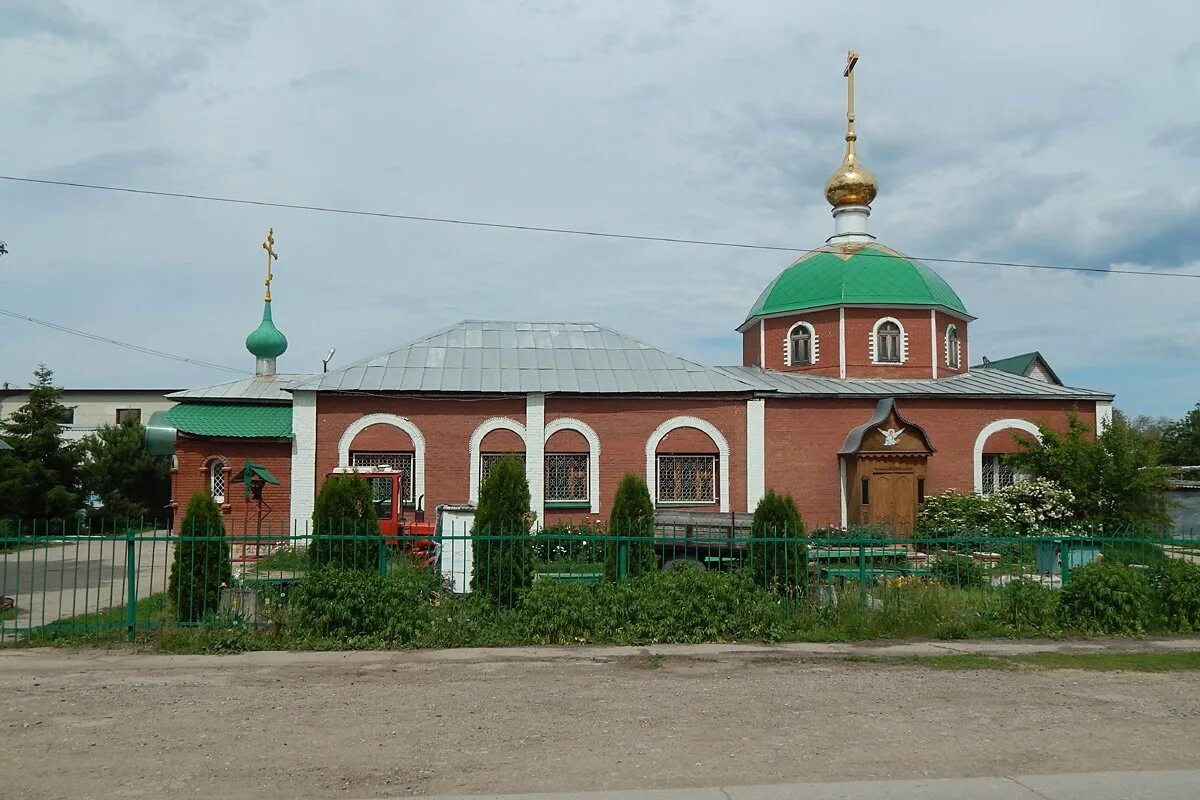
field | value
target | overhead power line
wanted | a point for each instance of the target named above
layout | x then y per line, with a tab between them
567	231
137	347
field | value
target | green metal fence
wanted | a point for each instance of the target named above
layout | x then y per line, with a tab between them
117	576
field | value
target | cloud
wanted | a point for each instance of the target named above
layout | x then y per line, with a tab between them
32	18
1183	139
126	92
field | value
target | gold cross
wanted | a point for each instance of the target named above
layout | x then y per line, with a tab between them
269	246
848	74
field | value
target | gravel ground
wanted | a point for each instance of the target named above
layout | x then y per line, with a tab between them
109	724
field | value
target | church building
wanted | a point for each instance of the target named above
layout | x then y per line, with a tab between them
853	395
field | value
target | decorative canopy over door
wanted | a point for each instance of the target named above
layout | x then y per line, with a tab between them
885	470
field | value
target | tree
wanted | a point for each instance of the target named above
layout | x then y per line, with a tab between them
41	481
502	550
632	515
345	526
201	563
130	482
1114	479
778	554
3	249
1181	440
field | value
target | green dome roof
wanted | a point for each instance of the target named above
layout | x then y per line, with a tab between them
855	275
266	341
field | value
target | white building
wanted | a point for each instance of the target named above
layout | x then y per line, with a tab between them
90	409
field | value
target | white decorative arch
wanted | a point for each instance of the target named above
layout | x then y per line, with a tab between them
953	354
814	342
706	427
988	430
572	424
486	427
875	340
404	424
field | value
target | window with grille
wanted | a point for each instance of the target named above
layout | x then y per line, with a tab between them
567	477
398	462
952	348
216	481
887	346
489	460
996	473
132	414
801	346
687	479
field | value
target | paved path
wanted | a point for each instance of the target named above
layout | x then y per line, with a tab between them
1167	785
77	577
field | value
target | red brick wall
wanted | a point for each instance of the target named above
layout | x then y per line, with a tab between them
193	456
804	437
567	441
943	322
446	424
624	425
501	441
825	323
1005	441
382	439
750	347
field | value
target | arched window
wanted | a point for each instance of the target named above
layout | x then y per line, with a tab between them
801	347
953	349
887	343
216	480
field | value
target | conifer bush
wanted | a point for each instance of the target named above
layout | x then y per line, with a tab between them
1176	586
503	565
345	507
782	564
632	515
201	561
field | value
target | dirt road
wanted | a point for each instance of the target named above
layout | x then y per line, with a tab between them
97	724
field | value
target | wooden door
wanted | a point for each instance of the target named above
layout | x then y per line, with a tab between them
895	500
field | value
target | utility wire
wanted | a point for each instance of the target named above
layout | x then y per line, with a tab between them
119	343
571	231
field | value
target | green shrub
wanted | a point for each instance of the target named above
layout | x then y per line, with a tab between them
564	612
632	515
696	605
950	512
1176	586
567	545
778	565
958	571
503	565
1033	506
471	621
1026	605
333	602
1107	597
201	561
345	507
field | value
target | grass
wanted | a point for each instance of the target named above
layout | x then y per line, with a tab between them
151	611
288	559
1098	662
9	613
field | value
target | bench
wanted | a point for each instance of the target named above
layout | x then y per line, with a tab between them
584	578
854	573
818	553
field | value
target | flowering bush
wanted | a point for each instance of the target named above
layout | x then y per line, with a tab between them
1027	507
1034	506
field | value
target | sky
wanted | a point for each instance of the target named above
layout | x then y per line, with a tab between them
1063	133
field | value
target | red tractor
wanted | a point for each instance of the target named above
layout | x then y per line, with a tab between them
392	492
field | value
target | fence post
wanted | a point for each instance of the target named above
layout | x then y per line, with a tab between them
1064	560
862	572
130	582
383	557
623	559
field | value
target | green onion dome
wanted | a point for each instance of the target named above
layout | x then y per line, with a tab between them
266	341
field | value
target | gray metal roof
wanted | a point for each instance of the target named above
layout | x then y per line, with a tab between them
520	357
261	389
976	383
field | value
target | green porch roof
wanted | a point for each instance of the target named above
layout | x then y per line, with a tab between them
856	274
227	420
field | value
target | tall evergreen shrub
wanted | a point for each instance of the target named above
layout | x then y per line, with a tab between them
502	550
632	515
781	563
201	562
345	527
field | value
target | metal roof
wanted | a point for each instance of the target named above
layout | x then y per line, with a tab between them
883	408
259	421
1019	365
261	388
976	383
520	357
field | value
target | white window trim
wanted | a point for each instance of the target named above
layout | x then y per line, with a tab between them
956	362
486	427
404	424
814	344
660	433
875	339
988	430
572	424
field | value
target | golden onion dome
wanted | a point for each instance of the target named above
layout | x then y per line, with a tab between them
851	184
